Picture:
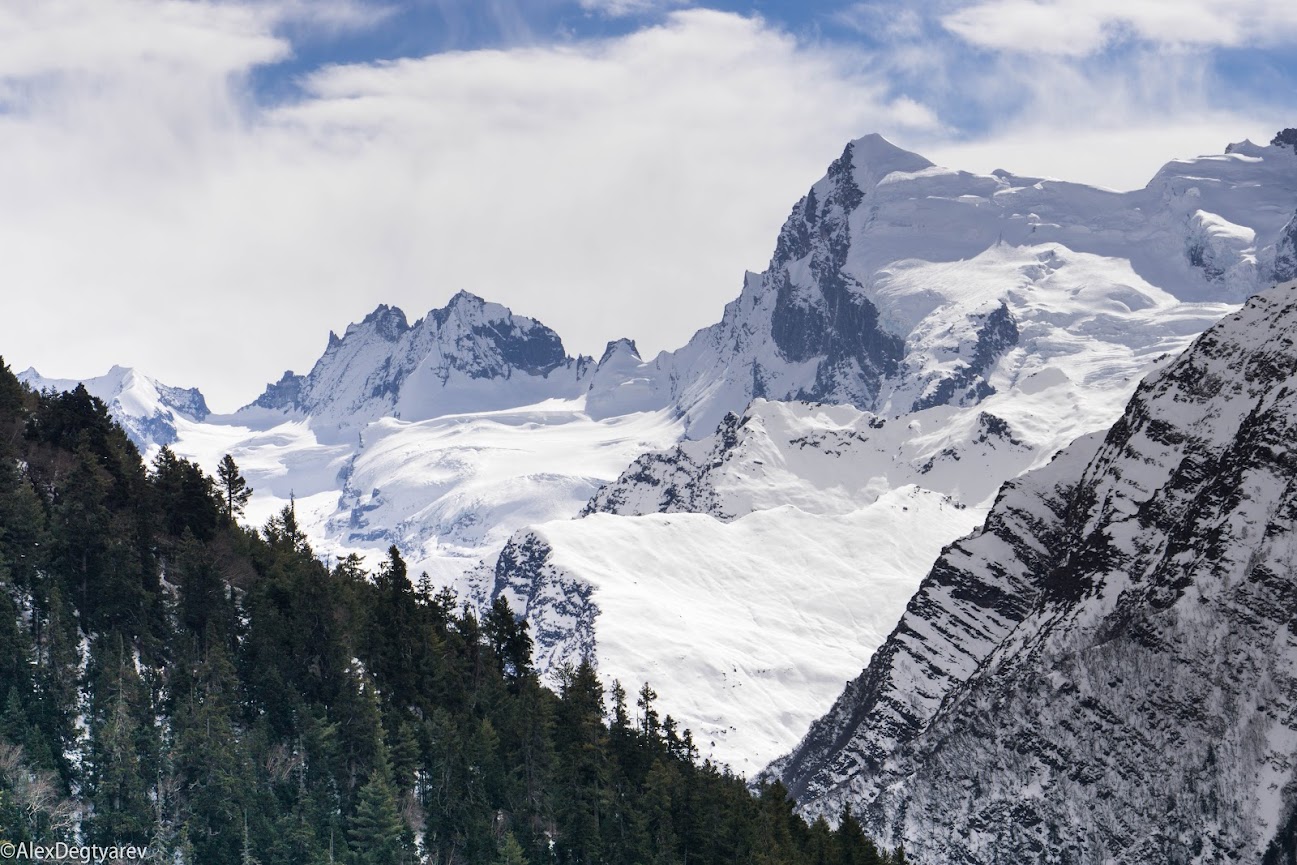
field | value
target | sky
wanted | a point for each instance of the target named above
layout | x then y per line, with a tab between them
204	190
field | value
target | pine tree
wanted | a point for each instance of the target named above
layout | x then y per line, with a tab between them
507	635
510	851
584	796
657	807
234	489
375	831
210	755
649	725
854	848
121	747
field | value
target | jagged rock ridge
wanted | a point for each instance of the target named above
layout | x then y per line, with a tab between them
468	355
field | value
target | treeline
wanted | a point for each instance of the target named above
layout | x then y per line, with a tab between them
172	680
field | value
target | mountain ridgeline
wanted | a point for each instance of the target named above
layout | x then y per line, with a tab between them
1105	671
831	319
170	679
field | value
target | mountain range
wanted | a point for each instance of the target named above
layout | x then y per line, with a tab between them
751	519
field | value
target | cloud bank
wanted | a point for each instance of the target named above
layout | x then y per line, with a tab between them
157	213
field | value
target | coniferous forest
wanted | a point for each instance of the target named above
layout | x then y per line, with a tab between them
173	679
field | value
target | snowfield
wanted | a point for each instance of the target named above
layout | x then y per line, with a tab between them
746	629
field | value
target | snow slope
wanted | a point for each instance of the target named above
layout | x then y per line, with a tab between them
1105	672
452	489
745	628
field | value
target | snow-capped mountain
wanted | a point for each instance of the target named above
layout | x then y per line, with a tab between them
443	437
842	313
469	356
1105	671
146	409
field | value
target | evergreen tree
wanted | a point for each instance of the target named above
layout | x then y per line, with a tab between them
210	756
511	852
584	794
657	805
508	638
234	489
854	848
376	832
186	497
121	749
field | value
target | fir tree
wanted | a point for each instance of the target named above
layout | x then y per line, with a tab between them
376	833
234	489
121	749
510	852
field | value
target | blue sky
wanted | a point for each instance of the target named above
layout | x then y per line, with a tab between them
176	169
1255	67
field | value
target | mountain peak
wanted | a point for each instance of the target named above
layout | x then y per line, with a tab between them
428	368
874	157
470	308
465	298
620	346
389	322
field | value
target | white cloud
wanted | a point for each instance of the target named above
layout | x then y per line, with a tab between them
619	8
1119	157
155	216
39	37
1083	27
881	20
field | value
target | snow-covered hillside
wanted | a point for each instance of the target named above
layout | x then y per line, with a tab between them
1105	672
448	491
745	628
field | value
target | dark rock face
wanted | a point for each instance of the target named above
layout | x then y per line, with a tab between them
1285	262
520	344
836	323
1107	670
285	393
996	334
674	481
563	626
535	352
387	322
188	401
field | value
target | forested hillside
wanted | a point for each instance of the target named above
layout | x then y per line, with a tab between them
170	678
